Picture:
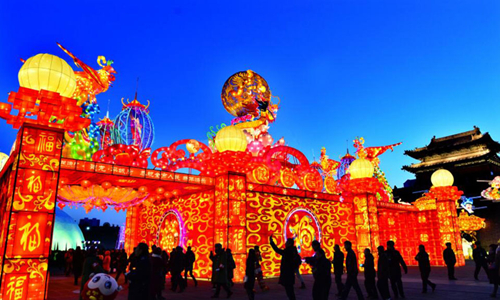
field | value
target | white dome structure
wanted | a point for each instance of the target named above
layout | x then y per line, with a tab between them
67	233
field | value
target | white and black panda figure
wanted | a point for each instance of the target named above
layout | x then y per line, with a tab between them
100	287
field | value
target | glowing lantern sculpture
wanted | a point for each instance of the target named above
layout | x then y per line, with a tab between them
442	177
106	127
345	162
230	138
134	126
493	192
361	168
48	72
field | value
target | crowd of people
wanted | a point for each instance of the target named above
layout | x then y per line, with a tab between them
146	270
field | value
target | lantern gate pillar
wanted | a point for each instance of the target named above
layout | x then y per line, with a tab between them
446	207
230	217
29	191
362	193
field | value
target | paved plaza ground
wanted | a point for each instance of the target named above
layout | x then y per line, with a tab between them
61	288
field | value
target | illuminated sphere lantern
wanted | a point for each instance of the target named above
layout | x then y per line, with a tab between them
48	72
230	138
133	126
361	168
442	177
240	92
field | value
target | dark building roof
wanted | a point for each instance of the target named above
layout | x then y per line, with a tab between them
455	151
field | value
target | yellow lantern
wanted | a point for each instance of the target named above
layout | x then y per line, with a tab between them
442	177
361	168
230	138
48	72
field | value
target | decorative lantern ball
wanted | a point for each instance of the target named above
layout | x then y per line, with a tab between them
442	177
134	126
101	286
48	72
230	138
193	146
106	185
361	168
255	146
241	92
266	139
85	183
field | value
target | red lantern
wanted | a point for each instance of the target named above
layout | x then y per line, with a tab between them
143	189
106	185
168	195
160	191
175	193
86	183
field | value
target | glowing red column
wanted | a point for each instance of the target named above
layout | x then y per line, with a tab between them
446	207
362	192
28	205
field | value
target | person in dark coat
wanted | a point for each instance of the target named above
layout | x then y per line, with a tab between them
219	271
479	256
370	274
396	261
77	263
338	268
231	265
321	269
351	265
140	273
290	261
258	270
450	260
190	258
383	274
176	267
121	264
155	283
424	265
250	274
491	261
91	265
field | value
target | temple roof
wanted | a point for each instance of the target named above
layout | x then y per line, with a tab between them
466	148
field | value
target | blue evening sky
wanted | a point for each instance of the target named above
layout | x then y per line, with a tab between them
389	71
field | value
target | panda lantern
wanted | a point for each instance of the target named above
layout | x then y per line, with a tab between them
100	287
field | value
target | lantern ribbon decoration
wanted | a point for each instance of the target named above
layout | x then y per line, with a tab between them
45	106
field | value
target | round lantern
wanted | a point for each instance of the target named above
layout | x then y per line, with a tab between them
230	138
193	146
361	168
442	177
134	126
48	72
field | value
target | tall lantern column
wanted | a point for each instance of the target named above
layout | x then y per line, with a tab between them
446	196
361	190
28	205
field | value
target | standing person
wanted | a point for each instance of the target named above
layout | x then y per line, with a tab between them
190	258
299	276
219	272
92	264
106	262
491	258
258	269
176	268
338	268
250	274
383	274
495	276
351	265
479	256
424	265
370	274
321	269
450	260
140	273
164	257
396	261
68	262
121	265
231	265
77	263
156	274
290	261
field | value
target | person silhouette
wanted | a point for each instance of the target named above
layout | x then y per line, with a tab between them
290	261
424	266
450	260
351	265
338	268
395	263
